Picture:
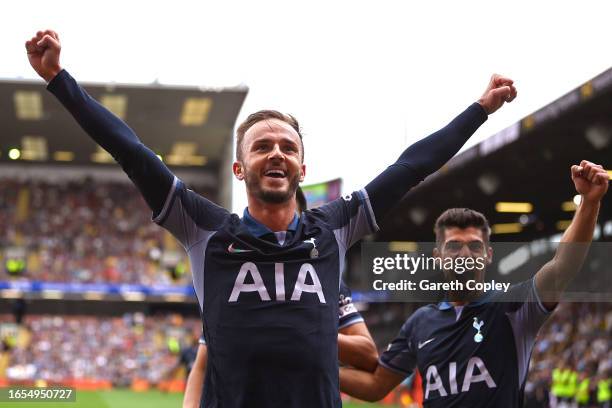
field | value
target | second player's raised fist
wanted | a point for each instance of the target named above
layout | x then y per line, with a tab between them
44	54
499	90
591	180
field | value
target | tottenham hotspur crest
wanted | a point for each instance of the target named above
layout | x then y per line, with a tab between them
478	336
314	252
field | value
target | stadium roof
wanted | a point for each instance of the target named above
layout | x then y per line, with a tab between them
527	163
187	126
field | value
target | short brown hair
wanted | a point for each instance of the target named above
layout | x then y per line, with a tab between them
461	218
263	115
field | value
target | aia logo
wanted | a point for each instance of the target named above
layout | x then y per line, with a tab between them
249	271
475	372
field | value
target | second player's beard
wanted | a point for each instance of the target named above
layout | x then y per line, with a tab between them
253	185
464	295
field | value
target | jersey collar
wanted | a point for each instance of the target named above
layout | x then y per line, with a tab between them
257	229
445	305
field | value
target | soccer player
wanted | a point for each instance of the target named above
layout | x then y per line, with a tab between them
355	344
266	283
473	350
186	358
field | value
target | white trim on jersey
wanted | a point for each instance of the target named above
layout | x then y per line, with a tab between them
169	197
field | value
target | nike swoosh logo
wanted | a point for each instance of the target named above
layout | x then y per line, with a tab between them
423	344
233	250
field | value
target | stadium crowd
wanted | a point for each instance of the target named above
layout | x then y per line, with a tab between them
572	361
84	232
571	364
122	349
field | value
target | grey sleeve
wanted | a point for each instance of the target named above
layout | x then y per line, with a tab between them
187	215
192	220
526	319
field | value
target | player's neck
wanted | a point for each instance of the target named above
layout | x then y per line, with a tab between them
463	298
277	217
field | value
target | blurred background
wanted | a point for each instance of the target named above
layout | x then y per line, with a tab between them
95	296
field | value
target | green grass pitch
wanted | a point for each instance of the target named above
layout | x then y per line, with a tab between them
127	399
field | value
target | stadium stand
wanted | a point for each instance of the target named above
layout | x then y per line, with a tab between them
61	349
81	231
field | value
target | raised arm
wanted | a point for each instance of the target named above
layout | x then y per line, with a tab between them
591	182
428	155
368	386
148	173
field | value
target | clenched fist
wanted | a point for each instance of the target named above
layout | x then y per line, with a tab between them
499	90
43	53
590	180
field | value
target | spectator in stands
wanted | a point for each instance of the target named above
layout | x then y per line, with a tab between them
60	232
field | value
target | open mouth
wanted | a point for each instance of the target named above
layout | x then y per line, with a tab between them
275	174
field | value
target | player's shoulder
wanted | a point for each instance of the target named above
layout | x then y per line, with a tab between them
339	210
316	220
426	311
517	294
419	316
201	210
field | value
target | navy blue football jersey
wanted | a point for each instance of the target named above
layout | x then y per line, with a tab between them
348	314
270	309
471	356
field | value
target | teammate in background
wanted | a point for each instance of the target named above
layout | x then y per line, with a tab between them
195	379
266	283
473	350
186	358
355	344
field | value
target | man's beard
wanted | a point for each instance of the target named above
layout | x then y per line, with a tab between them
465	294
253	184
